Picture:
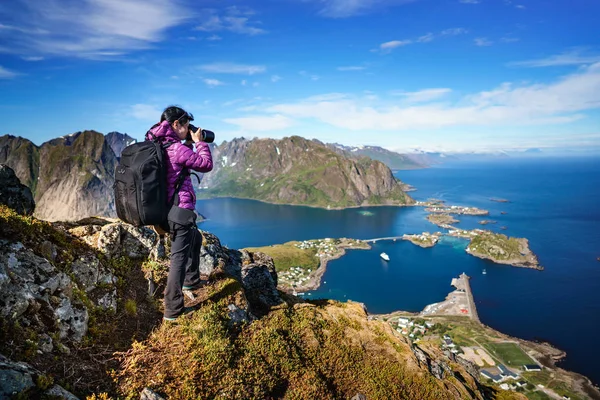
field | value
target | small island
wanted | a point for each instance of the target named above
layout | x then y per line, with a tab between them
424	240
457	210
500	200
442	220
487	221
502	249
300	265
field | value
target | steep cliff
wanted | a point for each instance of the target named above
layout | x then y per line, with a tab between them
75	177
294	170
23	157
118	141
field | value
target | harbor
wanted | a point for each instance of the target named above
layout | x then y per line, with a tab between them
458	302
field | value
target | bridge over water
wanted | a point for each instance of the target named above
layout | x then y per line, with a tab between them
382	238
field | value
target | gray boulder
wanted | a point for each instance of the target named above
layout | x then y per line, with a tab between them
18	380
14	194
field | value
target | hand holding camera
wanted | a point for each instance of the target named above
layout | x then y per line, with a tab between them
197	134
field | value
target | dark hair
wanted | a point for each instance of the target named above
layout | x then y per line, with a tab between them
174	113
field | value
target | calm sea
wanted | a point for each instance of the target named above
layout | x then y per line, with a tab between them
554	202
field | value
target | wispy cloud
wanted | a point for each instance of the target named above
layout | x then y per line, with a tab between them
7	74
146	112
110	28
233	19
351	68
33	58
469	1
261	123
212	82
565	100
312	77
232	68
276	78
573	57
213	38
349	8
387	47
424	95
481	41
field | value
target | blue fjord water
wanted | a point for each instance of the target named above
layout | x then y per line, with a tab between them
554	202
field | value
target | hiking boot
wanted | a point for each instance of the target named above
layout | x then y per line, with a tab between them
195	286
186	310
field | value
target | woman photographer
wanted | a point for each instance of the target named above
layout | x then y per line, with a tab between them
186	240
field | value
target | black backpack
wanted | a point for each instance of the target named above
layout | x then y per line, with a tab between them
141	184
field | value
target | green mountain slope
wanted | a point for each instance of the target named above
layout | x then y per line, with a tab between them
298	171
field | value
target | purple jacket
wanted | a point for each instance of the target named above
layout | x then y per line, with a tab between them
180	156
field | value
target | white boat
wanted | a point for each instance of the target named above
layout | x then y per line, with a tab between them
385	256
484	272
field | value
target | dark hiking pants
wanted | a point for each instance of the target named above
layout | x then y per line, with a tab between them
186	241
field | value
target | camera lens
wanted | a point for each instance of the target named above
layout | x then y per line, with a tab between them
208	136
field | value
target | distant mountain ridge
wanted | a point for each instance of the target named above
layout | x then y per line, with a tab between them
71	177
390	158
298	171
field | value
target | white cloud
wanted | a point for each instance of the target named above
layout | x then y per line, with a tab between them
213	82
481	41
349	8
231	68
33	58
453	31
7	74
574	57
425	38
351	68
243	82
213	38
469	1
146	112
276	78
233	19
562	101
387	47
261	123
424	95
88	28
311	76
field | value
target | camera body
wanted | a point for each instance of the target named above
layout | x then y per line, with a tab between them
207	136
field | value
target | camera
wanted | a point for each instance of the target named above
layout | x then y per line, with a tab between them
207	136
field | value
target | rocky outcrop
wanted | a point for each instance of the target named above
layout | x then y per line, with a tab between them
298	171
13	194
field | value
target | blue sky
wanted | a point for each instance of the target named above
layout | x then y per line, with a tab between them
448	75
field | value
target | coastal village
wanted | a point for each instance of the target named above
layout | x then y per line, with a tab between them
453	326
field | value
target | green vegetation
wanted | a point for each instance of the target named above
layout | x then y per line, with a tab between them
496	245
289	255
296	353
509	353
537	395
552	381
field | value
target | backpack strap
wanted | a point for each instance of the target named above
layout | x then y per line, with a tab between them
175	199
